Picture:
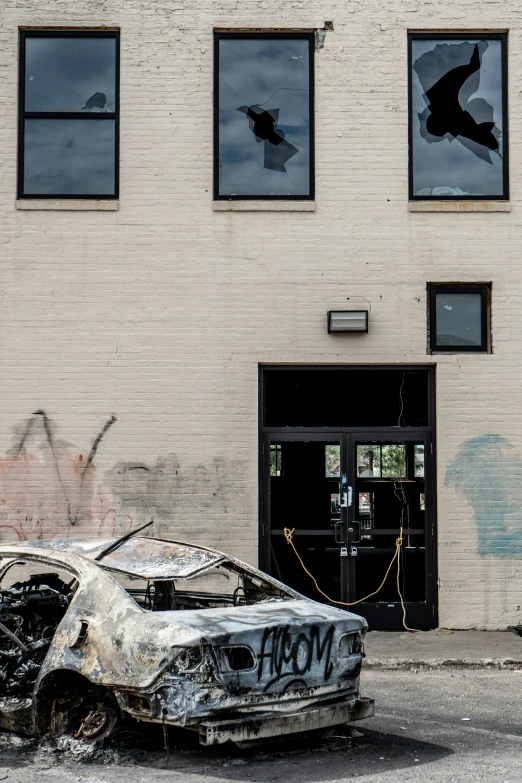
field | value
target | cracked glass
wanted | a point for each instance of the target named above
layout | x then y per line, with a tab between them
264	117
457	119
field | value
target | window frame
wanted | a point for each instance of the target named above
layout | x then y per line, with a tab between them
484	289
238	34
94	116
469	36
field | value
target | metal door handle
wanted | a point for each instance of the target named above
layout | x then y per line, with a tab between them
354	532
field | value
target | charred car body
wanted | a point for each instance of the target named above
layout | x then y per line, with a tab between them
168	633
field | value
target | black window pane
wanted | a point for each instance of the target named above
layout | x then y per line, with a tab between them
70	74
459	320
345	398
457	122
69	157
264	117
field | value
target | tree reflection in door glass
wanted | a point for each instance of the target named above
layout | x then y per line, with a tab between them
418	458
381	461
275	459
333	460
368	460
394	460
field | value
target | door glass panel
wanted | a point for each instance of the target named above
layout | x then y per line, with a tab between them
333	460
386	460
275	459
305	496
390	492
393	460
368	460
366	514
418	456
335	507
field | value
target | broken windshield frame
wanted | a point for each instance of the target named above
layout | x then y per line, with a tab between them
273	142
217	586
482	150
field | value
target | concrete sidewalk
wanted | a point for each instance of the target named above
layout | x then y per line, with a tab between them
437	649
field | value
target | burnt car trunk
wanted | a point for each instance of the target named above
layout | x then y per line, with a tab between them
275	657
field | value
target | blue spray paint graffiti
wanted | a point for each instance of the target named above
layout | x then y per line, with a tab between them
488	470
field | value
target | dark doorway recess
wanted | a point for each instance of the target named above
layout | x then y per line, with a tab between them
347	458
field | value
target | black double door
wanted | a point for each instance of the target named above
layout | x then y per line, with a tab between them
347	496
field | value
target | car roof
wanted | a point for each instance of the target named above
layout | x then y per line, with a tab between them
145	558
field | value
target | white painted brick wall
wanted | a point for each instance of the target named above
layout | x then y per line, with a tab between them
161	312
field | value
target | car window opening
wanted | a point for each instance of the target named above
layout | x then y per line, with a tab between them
220	586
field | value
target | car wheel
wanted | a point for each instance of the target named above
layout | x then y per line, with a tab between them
98	725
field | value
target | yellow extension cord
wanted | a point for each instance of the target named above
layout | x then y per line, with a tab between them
398	544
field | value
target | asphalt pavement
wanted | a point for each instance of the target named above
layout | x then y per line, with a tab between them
431	725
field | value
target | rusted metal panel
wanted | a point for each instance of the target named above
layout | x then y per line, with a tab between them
269	725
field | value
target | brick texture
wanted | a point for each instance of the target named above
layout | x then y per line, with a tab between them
161	312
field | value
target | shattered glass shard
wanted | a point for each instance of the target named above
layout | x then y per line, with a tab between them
447	114
263	124
96	101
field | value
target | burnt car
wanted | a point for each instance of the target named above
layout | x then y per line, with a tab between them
166	632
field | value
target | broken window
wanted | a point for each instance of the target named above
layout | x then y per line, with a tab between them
68	124
459	317
264	115
458	116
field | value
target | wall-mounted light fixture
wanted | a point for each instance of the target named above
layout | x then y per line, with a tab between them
347	321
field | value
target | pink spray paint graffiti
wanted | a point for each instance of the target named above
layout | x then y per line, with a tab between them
47	489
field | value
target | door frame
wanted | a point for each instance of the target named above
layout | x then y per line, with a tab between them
378	433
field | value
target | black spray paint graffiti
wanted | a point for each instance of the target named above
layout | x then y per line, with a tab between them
41	415
287	656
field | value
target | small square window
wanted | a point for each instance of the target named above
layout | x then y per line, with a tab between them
263	120
68	114
458	116
459	317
